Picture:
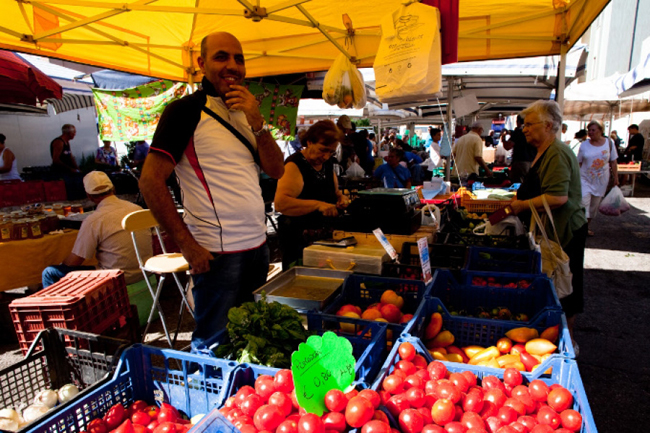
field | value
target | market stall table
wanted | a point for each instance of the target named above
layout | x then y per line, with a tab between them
633	173
23	261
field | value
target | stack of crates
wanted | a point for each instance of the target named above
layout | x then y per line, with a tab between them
91	301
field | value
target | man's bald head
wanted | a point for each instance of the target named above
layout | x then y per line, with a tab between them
215	37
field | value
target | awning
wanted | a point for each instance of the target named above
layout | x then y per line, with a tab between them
71	102
161	38
636	81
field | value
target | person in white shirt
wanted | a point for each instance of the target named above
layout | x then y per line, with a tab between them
468	152
101	235
8	165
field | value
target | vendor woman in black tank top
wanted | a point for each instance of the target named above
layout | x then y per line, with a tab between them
308	193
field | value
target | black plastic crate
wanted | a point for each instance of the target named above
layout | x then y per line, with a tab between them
441	256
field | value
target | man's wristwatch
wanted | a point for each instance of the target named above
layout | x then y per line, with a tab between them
261	130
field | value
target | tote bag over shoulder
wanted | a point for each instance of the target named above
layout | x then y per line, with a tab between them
555	262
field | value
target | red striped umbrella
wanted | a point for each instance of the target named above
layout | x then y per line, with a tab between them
22	83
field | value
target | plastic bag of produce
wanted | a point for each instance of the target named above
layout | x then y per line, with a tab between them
614	203
343	85
408	61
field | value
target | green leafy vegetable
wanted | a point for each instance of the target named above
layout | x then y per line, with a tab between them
263	333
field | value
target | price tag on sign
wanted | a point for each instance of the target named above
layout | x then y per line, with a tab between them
381	237
423	247
319	365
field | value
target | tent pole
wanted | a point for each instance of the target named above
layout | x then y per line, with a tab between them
561	81
450	94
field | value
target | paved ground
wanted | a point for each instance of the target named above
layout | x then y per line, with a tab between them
612	332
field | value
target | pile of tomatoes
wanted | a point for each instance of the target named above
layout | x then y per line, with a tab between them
140	417
427	398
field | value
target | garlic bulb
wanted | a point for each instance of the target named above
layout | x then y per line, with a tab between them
46	397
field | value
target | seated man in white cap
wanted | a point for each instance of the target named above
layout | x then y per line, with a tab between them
101	235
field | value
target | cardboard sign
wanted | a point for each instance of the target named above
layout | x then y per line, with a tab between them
423	247
319	365
381	237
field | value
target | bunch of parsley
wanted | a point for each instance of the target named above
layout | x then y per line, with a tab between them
263	333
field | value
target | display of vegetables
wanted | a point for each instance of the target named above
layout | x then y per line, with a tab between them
263	333
44	400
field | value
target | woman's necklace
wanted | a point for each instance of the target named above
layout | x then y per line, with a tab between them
320	175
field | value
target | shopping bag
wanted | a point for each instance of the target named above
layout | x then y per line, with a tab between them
355	170
408	60
343	85
614	203
555	262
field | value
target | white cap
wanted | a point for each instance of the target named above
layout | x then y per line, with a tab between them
97	182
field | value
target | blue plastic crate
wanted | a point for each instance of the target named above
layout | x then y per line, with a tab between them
467	299
501	260
564	372
191	383
364	290
214	422
369	341
486	332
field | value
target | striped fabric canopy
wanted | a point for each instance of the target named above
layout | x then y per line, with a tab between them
71	101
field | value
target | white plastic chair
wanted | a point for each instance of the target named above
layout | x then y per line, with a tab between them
161	265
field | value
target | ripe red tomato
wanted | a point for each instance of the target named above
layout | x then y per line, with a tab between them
393	384
493	424
548	416
507	429
471	378
406	351
416	397
141	418
560	399
137	428
437	370
519	427
242	421
242	393
335	400
379	415
264	386
248	428
538	390
406	366
411	421
423	374
459	381
97	426
152	425
376	426
268	417
334	421
138	406
287	426
473	402
115	416
250	404
443	411
571	420
512	377
283	381
490	382
495	396
414	381
517	405
358	412
507	415
489	410
397	403
165	427
420	362
432	428
283	401
448	391
472	420
371	396
426	415
310	423
455	427
542	428
527	421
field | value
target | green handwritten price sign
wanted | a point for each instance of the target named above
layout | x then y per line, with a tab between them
319	365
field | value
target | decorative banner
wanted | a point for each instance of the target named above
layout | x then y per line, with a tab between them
279	106
320	365
133	114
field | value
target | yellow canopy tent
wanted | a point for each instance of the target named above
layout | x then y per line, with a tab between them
162	38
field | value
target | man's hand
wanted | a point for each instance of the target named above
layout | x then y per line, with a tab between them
328	209
198	258
240	98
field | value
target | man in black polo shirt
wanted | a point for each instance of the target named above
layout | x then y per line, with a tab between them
522	153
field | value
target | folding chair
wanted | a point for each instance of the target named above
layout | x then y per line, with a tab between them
161	265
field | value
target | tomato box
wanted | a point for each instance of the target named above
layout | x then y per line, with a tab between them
524	299
191	383
564	372
441	256
506	261
470	331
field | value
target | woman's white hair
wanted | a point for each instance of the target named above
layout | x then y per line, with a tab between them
548	111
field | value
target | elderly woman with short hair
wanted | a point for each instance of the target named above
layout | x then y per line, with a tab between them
555	175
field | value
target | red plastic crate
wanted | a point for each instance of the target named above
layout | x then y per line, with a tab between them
55	191
11	193
33	191
91	301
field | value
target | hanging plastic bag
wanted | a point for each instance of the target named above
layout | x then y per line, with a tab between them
614	203
408	61
355	170
343	85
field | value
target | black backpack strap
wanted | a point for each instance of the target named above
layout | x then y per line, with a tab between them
234	132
